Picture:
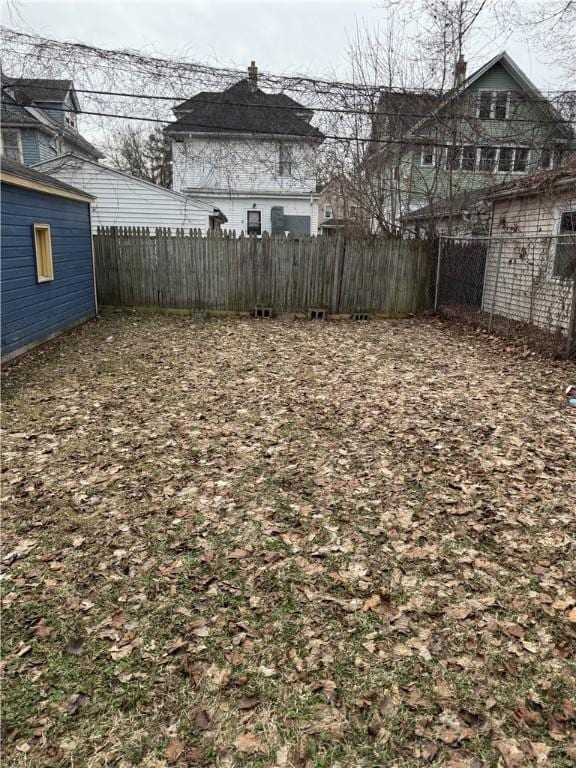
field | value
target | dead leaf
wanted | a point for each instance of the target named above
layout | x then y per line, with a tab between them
248	702
510	752
174	749
247	743
202	720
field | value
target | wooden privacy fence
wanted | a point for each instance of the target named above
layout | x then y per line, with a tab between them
225	272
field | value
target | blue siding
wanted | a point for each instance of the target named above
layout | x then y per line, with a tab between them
46	147
31	311
30	145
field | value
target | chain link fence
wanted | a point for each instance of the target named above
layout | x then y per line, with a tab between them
520	287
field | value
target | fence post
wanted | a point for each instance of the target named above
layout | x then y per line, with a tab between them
338	273
571	330
495	284
437	287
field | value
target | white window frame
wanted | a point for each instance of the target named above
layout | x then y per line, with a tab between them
479	158
254	210
328	212
550	165
46	274
557	221
513	163
285	160
18	142
422	151
506	108
70	118
493	96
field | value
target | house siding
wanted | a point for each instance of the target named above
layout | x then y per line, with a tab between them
235	209
123	201
32	311
528	127
30	146
234	165
525	288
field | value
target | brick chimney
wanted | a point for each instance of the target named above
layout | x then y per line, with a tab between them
253	74
460	71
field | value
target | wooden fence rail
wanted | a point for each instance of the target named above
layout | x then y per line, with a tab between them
224	272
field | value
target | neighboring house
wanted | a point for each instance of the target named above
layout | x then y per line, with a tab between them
465	214
339	211
493	126
40	121
531	261
47	269
123	200
251	154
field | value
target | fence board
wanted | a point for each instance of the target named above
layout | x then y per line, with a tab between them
187	270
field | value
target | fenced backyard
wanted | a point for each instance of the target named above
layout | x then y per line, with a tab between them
253	544
221	272
520	287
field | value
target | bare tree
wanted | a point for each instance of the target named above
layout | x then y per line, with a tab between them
142	153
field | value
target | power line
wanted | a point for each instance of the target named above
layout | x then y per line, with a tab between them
416	142
331	110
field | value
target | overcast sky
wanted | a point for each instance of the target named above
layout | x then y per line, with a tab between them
283	37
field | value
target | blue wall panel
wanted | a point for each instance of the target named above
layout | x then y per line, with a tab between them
31	311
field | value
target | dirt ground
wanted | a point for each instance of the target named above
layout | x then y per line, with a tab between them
266	543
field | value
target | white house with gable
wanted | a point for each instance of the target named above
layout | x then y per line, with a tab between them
250	154
123	200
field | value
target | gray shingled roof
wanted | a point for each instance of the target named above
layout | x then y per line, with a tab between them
16	114
38	90
24	172
399	112
243	108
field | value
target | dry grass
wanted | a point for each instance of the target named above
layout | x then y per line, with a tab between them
260	543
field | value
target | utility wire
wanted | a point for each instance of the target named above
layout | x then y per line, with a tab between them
417	141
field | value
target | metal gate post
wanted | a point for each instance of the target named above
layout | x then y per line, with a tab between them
495	284
437	288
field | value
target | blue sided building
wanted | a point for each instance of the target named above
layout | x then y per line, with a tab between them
47	269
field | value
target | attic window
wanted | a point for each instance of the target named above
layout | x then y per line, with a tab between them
43	249
493	105
70	118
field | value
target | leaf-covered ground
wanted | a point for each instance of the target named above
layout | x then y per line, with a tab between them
265	543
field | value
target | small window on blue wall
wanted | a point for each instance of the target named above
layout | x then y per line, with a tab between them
43	248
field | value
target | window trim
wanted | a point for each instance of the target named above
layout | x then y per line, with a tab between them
330	215
422	151
551	165
43	275
514	149
258	211
285	163
559	211
493	98
18	142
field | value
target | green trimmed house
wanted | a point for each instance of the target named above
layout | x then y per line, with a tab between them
492	127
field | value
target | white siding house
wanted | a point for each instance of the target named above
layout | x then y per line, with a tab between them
125	201
251	154
531	259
